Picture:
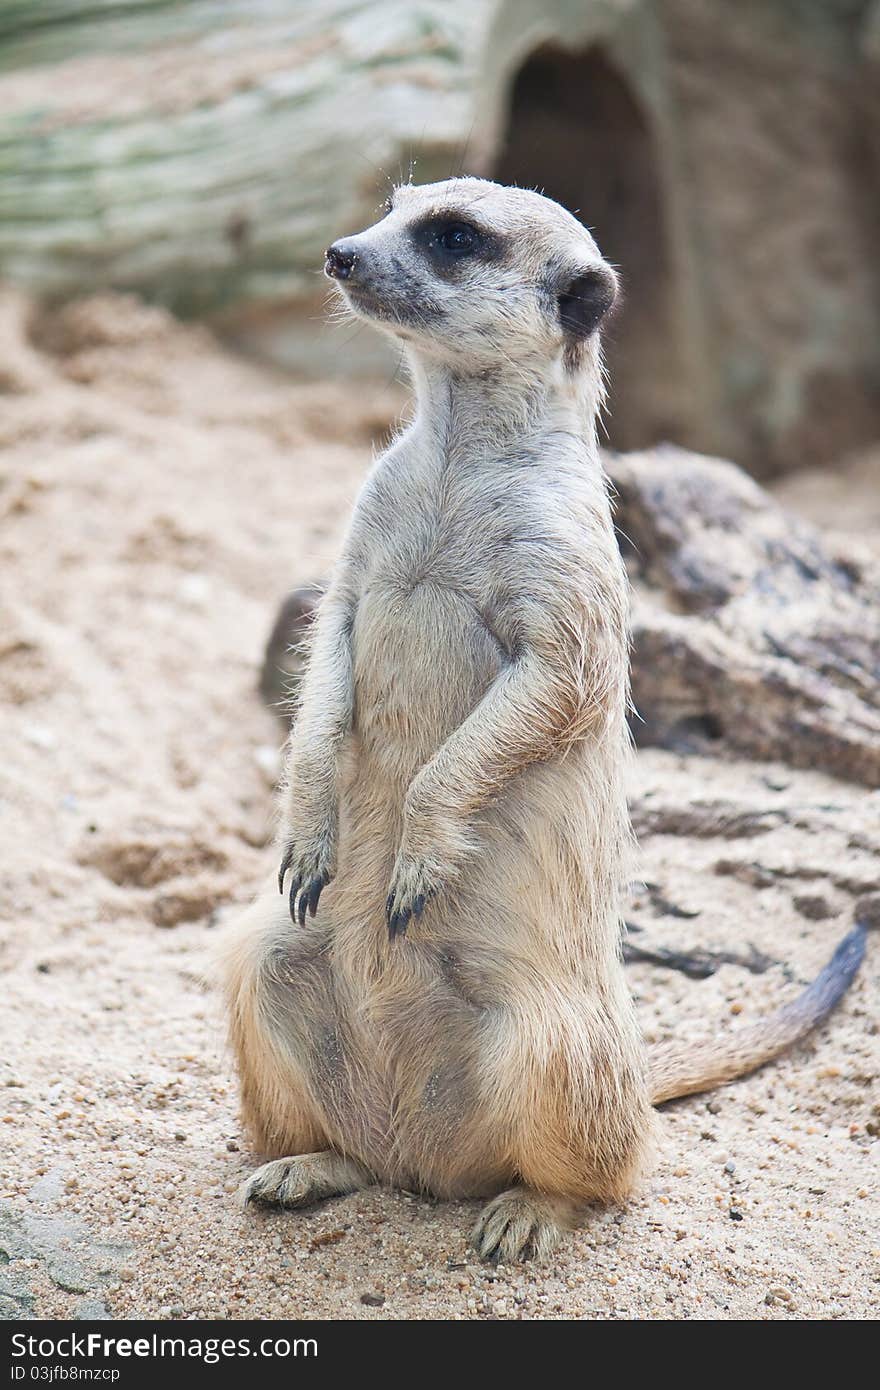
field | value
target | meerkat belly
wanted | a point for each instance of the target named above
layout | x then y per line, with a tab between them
423	658
426	1030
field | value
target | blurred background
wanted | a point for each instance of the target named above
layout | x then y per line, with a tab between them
727	156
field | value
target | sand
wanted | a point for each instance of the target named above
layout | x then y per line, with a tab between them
159	498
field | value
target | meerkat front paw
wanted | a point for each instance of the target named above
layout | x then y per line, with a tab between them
413	882
429	862
311	865
520	1225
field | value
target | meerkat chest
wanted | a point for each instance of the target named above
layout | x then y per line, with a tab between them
428	632
435	530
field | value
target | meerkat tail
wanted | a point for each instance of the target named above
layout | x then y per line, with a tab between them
677	1069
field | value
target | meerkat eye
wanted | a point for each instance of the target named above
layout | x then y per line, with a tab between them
457	239
450	240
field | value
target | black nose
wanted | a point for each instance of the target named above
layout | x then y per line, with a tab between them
341	261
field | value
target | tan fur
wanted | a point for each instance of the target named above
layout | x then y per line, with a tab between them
677	1070
461	740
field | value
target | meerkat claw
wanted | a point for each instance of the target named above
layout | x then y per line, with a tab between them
316	888
308	894
285	865
399	917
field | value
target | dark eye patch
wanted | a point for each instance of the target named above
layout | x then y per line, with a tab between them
451	239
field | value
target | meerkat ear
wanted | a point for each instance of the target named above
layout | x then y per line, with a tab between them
584	299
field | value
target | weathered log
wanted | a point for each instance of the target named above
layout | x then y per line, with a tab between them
749	628
204	152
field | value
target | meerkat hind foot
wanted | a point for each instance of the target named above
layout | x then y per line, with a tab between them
520	1224
302	1180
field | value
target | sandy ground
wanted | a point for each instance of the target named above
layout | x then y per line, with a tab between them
158	499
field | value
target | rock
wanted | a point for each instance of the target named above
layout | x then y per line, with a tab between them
781	1293
813	906
66	1250
91	1309
188	900
49	1187
41	736
867	910
69	1274
15	1299
153	856
266	757
373	1300
194	590
15	1242
285	651
748	628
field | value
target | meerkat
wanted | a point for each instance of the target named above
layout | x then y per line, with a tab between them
437	1000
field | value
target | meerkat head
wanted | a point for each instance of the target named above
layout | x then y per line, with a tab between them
475	274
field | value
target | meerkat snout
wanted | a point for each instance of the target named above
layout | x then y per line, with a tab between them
340	260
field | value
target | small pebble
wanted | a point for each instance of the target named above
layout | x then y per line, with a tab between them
814	906
40	735
373	1300
268	760
194	590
